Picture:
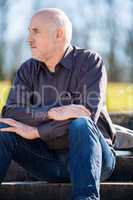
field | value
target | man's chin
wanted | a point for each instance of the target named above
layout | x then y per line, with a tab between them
37	58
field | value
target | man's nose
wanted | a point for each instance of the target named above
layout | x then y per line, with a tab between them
30	38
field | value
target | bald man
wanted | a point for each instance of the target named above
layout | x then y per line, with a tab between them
55	123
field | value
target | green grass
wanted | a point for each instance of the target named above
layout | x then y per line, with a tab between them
4	90
120	97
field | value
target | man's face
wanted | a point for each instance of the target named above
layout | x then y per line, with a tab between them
40	39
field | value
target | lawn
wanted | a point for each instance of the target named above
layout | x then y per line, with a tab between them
4	90
119	96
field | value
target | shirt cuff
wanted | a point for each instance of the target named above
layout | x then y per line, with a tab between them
53	129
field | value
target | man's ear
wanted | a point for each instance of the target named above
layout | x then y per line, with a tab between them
59	34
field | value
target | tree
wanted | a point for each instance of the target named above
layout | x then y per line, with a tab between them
129	44
3	26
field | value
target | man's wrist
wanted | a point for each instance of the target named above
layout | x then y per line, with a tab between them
49	114
35	133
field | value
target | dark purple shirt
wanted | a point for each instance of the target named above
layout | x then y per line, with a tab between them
79	78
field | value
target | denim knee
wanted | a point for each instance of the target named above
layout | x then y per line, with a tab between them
81	122
77	127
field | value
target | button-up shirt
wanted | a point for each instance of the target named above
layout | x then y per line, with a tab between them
79	78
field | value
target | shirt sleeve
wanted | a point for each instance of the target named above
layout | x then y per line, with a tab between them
19	102
92	82
53	129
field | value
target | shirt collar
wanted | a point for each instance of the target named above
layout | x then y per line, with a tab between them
67	59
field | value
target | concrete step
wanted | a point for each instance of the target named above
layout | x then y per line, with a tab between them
50	191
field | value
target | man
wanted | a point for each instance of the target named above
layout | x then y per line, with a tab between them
55	122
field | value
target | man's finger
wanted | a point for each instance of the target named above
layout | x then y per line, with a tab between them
85	109
9	129
8	121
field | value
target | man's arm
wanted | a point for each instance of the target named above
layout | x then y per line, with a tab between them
92	86
19	102
47	132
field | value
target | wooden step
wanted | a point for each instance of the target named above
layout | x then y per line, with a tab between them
123	171
123	118
117	191
124	167
47	191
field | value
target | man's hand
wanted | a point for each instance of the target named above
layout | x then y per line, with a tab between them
25	131
68	112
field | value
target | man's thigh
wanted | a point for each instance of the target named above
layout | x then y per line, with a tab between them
38	159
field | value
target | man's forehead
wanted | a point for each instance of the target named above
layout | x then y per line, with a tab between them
35	22
39	21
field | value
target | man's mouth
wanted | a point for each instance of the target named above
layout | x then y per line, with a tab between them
32	46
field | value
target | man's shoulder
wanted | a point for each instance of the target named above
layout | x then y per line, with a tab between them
29	66
87	57
29	63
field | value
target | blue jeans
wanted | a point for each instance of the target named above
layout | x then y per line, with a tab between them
88	161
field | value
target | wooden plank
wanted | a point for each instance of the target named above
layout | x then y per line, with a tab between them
123	170
44	191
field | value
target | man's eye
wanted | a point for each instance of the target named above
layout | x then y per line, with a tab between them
35	31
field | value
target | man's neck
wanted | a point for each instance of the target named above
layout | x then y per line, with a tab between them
54	60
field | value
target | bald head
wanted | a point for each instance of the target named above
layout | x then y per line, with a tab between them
50	33
55	18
